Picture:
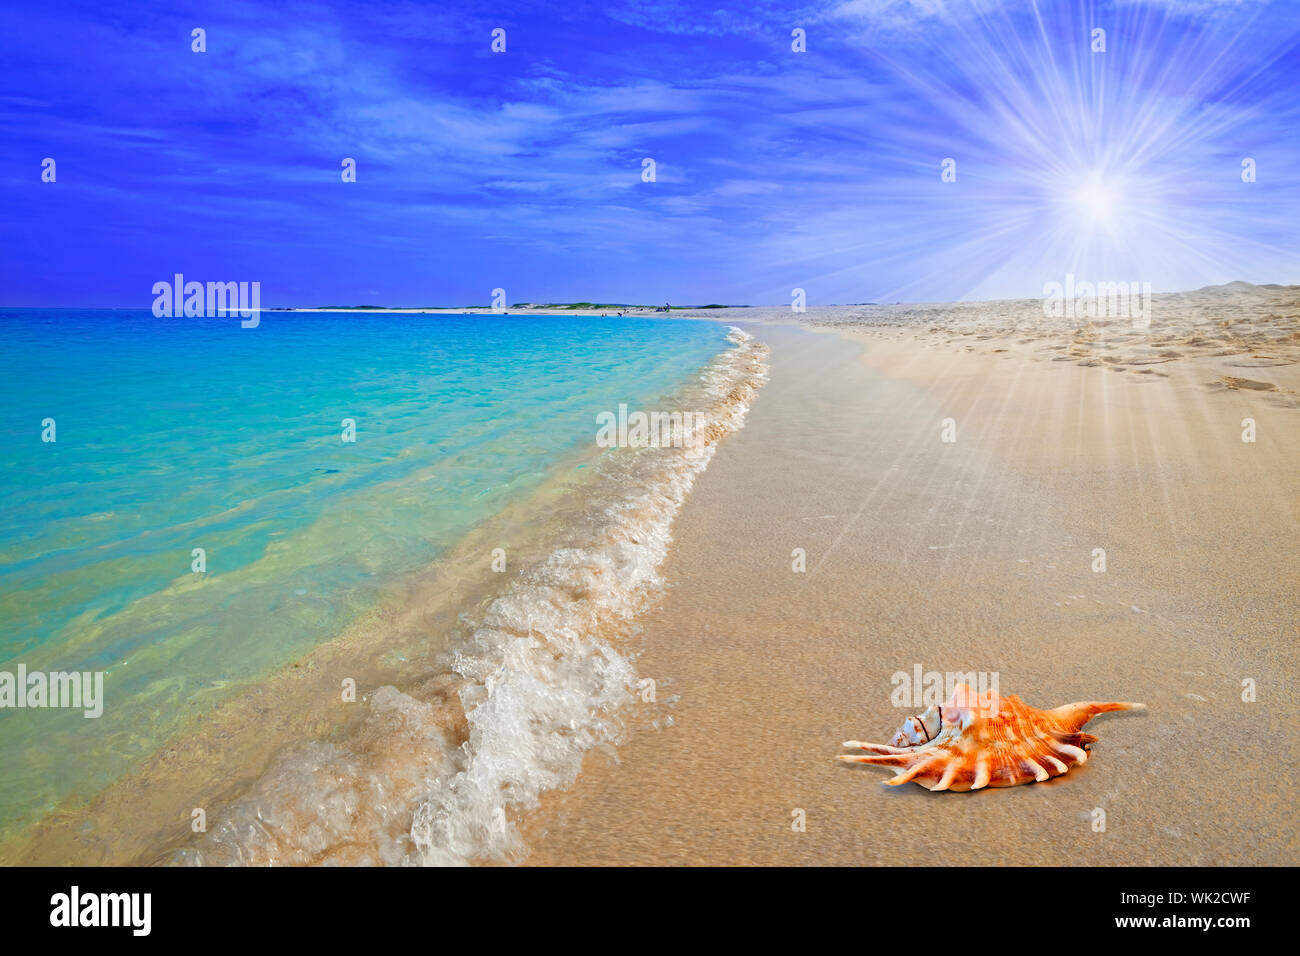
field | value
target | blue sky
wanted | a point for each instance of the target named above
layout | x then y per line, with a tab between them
522	170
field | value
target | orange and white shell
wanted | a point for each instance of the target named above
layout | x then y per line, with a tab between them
984	740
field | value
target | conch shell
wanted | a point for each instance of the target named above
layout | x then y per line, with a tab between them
984	740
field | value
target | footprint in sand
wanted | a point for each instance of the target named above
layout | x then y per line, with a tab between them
1231	381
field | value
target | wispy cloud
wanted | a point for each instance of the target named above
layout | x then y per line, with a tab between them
773	168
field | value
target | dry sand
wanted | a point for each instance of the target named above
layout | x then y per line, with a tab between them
978	555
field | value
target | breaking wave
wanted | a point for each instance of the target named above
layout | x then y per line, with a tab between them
438	773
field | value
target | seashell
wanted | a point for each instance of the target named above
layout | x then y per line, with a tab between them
984	740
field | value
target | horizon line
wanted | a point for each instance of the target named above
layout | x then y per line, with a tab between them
587	306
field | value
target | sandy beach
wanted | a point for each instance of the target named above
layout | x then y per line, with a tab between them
1066	506
977	555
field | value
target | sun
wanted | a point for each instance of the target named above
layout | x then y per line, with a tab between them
1097	201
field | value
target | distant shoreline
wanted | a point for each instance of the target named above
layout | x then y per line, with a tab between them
578	309
611	310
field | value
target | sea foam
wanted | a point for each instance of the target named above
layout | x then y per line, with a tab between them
544	677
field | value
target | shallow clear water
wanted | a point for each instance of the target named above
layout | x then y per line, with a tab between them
176	434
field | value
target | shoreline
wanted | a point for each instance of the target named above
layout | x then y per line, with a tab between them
640	313
272	741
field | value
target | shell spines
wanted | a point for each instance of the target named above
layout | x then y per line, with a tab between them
990	741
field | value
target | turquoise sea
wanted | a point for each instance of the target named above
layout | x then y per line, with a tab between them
179	434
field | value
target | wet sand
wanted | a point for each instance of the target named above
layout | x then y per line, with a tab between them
976	555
